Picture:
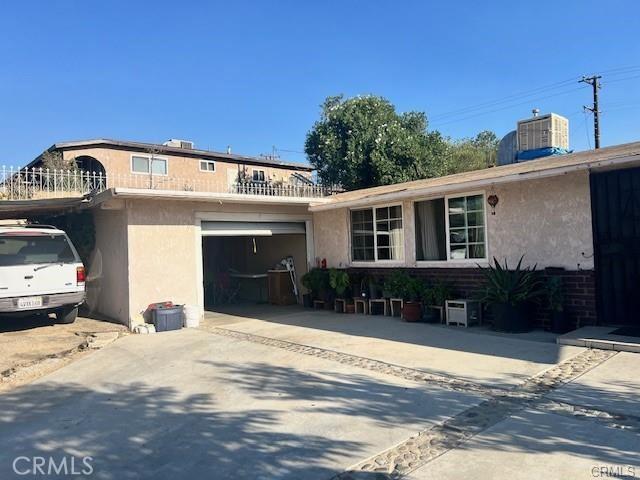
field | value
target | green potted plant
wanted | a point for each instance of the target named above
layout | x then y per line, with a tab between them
316	281
555	303
412	309
339	282
396	284
434	299
509	294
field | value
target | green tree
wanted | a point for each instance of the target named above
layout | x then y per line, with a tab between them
53	160
362	142
471	153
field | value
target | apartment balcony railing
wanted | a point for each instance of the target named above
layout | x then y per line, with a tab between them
37	183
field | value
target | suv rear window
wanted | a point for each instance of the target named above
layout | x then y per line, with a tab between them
26	249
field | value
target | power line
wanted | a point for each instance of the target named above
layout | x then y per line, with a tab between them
507	107
506	99
480	108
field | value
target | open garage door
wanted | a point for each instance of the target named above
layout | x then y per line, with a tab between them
242	261
251	229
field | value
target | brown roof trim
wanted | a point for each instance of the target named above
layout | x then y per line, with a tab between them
182	152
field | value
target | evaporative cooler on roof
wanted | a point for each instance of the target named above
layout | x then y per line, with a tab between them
543	131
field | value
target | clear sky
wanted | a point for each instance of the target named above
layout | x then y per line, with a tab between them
253	74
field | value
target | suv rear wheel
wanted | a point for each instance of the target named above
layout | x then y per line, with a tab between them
67	314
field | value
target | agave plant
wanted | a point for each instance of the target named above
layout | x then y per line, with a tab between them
512	286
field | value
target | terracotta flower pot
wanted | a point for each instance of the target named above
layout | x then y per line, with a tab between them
350	308
412	311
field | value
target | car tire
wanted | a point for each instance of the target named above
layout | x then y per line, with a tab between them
67	315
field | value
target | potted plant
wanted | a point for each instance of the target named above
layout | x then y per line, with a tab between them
316	281
509	294
396	285
555	302
339	282
412	309
434	299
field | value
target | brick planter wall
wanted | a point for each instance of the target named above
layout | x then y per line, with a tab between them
579	288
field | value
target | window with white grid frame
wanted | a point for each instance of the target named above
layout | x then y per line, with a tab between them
377	234
362	235
466	221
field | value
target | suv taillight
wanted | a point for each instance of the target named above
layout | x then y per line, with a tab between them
80	275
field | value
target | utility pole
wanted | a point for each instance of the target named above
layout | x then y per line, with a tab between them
594	81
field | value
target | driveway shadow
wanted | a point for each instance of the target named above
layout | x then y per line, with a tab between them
137	431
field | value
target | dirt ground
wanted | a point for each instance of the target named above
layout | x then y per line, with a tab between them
34	346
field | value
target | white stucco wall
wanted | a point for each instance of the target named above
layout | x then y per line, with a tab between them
547	220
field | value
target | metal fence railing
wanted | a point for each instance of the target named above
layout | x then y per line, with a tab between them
38	183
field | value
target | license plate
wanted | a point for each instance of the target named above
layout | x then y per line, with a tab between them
30	302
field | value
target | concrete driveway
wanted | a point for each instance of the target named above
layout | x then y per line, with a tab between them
286	393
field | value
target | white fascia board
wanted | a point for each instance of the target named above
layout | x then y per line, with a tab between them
213	197
469	185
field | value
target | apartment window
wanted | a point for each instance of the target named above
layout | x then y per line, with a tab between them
144	164
258	176
452	228
207	166
377	234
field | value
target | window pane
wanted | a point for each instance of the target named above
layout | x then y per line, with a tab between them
383	240
395	225
475	218
458	252
456	220
384	254
140	164
430	230
457	235
476	251
476	235
395	212
474	203
456	205
159	166
382	226
382	213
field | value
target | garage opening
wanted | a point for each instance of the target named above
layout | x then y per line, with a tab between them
253	262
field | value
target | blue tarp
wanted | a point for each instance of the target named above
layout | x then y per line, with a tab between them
540	152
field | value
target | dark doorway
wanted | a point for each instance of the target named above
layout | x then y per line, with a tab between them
90	165
615	206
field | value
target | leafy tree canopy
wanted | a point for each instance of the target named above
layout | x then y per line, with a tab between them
362	142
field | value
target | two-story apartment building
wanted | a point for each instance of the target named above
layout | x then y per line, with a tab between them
173	222
175	164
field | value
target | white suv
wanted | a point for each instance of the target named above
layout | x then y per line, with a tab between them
40	272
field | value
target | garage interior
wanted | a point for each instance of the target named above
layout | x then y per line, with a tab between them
243	262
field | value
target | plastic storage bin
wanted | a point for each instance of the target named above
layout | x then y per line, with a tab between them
166	318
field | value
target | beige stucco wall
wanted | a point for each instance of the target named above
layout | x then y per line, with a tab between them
164	247
547	220
107	271
117	163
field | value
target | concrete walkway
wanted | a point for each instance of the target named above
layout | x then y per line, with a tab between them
285	393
